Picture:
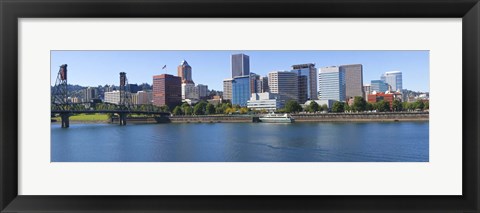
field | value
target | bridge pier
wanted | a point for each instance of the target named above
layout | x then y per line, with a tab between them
123	119
65	120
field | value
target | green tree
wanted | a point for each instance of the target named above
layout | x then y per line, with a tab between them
412	106
313	107
236	107
324	107
383	106
427	105
369	107
419	105
359	104
292	106
177	110
220	109
199	108
405	106
338	107
229	110
165	108
243	110
210	109
397	106
188	110
347	108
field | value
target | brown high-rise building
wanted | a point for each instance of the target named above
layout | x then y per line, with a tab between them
353	80
167	90
284	84
185	72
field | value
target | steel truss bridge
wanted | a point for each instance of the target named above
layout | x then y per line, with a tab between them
60	105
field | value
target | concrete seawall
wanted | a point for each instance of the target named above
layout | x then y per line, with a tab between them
380	116
326	117
321	117
211	119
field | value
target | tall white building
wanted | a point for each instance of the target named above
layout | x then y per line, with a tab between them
284	83
188	91
394	79
112	97
227	89
90	93
142	97
331	84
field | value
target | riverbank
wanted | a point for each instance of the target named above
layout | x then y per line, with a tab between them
320	117
363	117
85	118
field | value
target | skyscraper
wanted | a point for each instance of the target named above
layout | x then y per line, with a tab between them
254	83
285	84
188	91
241	90
90	93
310	72
167	90
378	86
240	65
302	88
353	80
331	84
227	89
263	84
367	90
202	90
185	72
394	79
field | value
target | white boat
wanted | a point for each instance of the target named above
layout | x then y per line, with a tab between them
276	118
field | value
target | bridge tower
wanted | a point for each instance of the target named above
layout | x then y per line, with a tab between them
60	96
125	98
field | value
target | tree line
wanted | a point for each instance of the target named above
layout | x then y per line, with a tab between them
206	108
359	105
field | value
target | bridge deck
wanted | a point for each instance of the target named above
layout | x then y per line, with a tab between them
111	111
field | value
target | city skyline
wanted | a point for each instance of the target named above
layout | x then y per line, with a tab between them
212	67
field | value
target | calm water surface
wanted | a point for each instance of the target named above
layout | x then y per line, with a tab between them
242	142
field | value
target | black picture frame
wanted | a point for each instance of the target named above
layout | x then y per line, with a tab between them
11	10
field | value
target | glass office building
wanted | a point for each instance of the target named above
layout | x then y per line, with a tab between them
331	82
394	79
310	72
378	86
241	90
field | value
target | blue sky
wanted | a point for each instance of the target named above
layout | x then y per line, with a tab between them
93	68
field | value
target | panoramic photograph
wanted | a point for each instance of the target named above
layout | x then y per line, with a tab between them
239	106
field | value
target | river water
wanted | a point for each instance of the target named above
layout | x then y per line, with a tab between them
242	142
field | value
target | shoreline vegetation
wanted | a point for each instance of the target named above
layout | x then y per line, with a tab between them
303	117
